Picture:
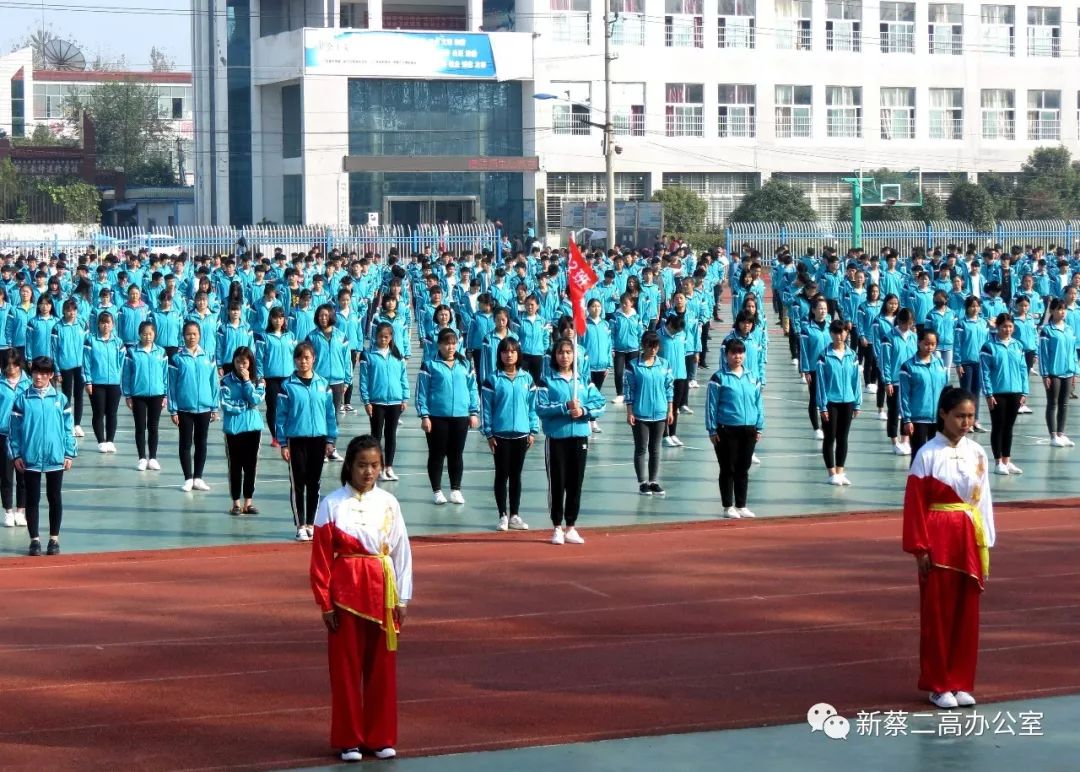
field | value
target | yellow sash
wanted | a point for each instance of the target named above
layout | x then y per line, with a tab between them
980	529
390	594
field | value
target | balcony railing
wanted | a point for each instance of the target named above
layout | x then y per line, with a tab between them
946	128
568	122
796	125
998	125
898	40
684	32
843	124
570	27
1044	128
736	126
686	124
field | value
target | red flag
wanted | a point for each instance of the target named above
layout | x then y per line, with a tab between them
580	277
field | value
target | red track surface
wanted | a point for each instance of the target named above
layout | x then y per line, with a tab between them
214	658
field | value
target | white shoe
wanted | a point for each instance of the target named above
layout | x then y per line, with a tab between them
335	456
517	524
438	497
9	519
386	753
906	448
199	485
456	497
686	410
795	362
79	432
1014	469
572	536
619	400
1068	442
103	447
1024	410
883	415
349	754
871	388
301	535
670	442
819	434
844	479
693	384
754	459
944	700
964	699
112	447
153	465
1001	468
732	513
678	442
504	523
143	463
383	477
20	518
391	475
898	450
595	427
558	537
186	487
1058	441
744	512
835	479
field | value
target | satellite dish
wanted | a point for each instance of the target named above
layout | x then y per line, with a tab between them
62	55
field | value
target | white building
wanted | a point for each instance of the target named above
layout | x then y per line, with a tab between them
326	125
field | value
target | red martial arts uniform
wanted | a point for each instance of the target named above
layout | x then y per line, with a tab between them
948	515
361	565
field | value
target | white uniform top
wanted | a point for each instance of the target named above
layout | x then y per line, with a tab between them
964	469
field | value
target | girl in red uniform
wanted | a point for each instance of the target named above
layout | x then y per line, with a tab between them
949	528
361	575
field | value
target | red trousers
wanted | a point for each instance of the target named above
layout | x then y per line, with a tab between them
363	685
949	631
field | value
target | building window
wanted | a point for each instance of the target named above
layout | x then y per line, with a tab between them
897	28
684	24
736	110
843	111
998	113
998	29
898	113
793	19
827	194
793	111
570	21
571	117
842	25
629	26
736	24
18	106
1044	115
568	187
723	191
628	109
292	204
946	29
1043	31
685	109
291	117
946	113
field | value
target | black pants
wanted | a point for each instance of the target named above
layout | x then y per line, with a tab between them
1057	404
509	461
921	434
565	461
680	398
892	408
734	452
306	458
835	446
793	341
337	392
273	387
242	456
1029	358
354	358
871	373
1002	418
104	402
534	363
811	407
972	381
598	377
193	430
703	355
384	426
647	436
53	482
73	385
446	442
147	414
9	475
621	360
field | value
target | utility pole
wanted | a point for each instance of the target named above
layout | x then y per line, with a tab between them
609	127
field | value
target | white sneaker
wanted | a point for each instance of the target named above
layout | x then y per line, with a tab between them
301	534
349	754
670	442
1001	468
383	477
558	537
517	524
112	447
1024	410
186	487
456	497
143	463
9	518
572	536
898	450
693	384
686	410
732	513
795	362
391	475
906	448
964	699
504	523
754	459
199	485
744	512
595	427
153	465
883	415
310	532
78	432
335	456
20	518
103	447
438	497
844	479
1068	442
1014	469
871	388
944	700
678	442
819	434
385	753
619	399
835	479
1058	441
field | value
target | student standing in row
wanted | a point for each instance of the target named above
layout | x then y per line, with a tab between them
673	347
241	393
813	340
143	380
192	399
510	424
839	398
103	356
650	410
898	347
333	360
598	348
1005	384
972	334
734	420
923	378
14	383
69	338
384	392
39	330
626	331
1057	367
274	354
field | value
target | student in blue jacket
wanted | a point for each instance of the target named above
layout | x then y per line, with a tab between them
1057	368
192	391
69	338
103	356
142	381
649	400
168	322
510	424
274	359
39	329
130	316
333	360
534	333
923	378
734	420
972	333
12	385
599	348
231	335
19	319
674	344
448	406
626	331
306	431
490	347
942	320
241	393
839	399
42	444
384	392
898	347
1005	384
566	405
813	340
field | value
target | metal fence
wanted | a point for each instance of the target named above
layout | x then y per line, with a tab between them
902	236
204	239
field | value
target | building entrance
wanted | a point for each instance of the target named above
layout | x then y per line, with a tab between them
418	210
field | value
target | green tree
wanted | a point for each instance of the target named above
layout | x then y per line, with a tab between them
775	201
161	61
156	170
684	210
1049	185
130	129
1002	190
972	203
79	199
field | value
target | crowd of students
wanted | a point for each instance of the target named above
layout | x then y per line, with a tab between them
300	338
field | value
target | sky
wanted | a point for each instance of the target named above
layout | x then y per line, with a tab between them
108	27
